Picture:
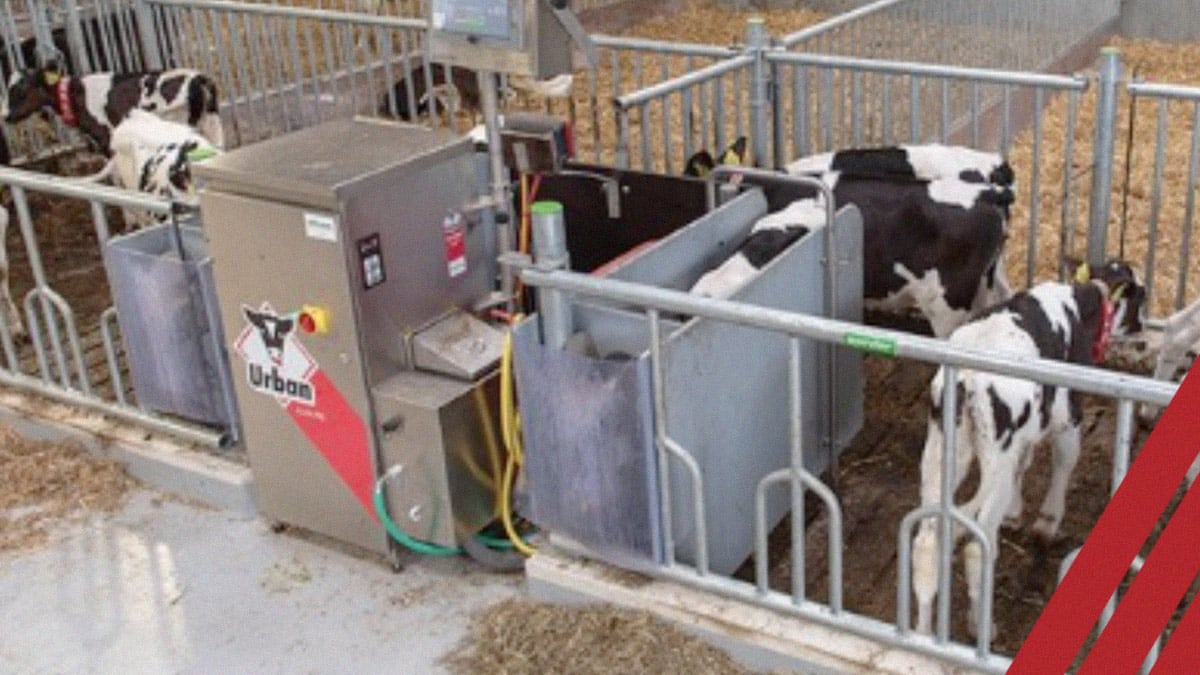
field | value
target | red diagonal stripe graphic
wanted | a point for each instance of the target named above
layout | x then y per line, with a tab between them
339	434
1180	653
1122	529
1155	592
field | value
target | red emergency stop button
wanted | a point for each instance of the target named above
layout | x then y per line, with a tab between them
314	319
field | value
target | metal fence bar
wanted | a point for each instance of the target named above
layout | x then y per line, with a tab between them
1035	192
1084	379
669	447
826	27
982	75
1189	211
108	319
695	77
1103	146
323	15
1160	159
630	44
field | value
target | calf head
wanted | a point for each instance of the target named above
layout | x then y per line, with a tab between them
30	91
1125	292
1003	175
702	163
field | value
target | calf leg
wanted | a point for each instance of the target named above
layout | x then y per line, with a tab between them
1017	505
1066	454
997	485
926	547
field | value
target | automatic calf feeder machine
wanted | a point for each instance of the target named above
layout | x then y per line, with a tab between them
350	259
352	262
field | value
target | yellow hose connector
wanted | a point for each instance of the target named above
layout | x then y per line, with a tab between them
510	432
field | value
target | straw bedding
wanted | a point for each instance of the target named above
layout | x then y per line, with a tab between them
44	484
519	636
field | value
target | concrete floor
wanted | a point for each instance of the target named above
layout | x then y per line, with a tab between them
165	587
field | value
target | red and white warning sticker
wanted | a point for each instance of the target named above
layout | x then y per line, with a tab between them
454	234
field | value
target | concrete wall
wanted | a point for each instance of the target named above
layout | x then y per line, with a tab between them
1170	20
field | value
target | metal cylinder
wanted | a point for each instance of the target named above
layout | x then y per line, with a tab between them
500	179
1102	153
757	41
550	252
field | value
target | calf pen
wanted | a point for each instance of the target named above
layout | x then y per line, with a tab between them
820	92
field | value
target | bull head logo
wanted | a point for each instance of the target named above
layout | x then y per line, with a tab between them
272	329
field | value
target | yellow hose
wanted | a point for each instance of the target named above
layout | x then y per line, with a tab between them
511	435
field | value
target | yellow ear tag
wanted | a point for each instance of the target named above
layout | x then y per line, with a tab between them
731	159
1082	273
52	77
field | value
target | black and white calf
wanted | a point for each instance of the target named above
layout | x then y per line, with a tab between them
933	246
97	103
768	237
1001	419
463	84
931	161
154	155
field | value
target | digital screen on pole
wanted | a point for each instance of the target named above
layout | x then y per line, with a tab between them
485	18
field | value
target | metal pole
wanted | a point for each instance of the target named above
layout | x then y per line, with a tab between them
1102	153
148	35
500	186
550	252
757	42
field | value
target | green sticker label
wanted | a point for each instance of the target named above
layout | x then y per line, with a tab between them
870	343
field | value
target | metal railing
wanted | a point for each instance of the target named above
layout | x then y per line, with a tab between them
719	112
72	355
1019	35
1126	389
281	68
824	102
1172	164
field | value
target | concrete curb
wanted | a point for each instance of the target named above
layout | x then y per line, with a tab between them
755	636
153	459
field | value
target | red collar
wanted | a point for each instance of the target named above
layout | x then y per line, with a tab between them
65	109
1100	346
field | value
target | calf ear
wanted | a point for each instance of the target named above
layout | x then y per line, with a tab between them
51	72
252	316
1078	270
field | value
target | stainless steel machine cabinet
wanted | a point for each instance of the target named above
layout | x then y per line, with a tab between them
348	258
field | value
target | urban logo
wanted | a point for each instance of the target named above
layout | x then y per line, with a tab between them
276	363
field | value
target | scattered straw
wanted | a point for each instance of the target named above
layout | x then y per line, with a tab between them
519	636
43	484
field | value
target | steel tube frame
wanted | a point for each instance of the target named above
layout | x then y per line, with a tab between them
1045	371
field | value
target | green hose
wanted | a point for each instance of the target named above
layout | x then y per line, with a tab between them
424	547
414	545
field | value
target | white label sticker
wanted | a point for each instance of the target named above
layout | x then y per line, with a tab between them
320	227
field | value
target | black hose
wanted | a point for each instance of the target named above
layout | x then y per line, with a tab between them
1128	163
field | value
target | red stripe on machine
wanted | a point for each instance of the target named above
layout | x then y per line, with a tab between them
1111	547
340	435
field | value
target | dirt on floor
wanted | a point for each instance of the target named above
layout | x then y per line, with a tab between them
44	484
